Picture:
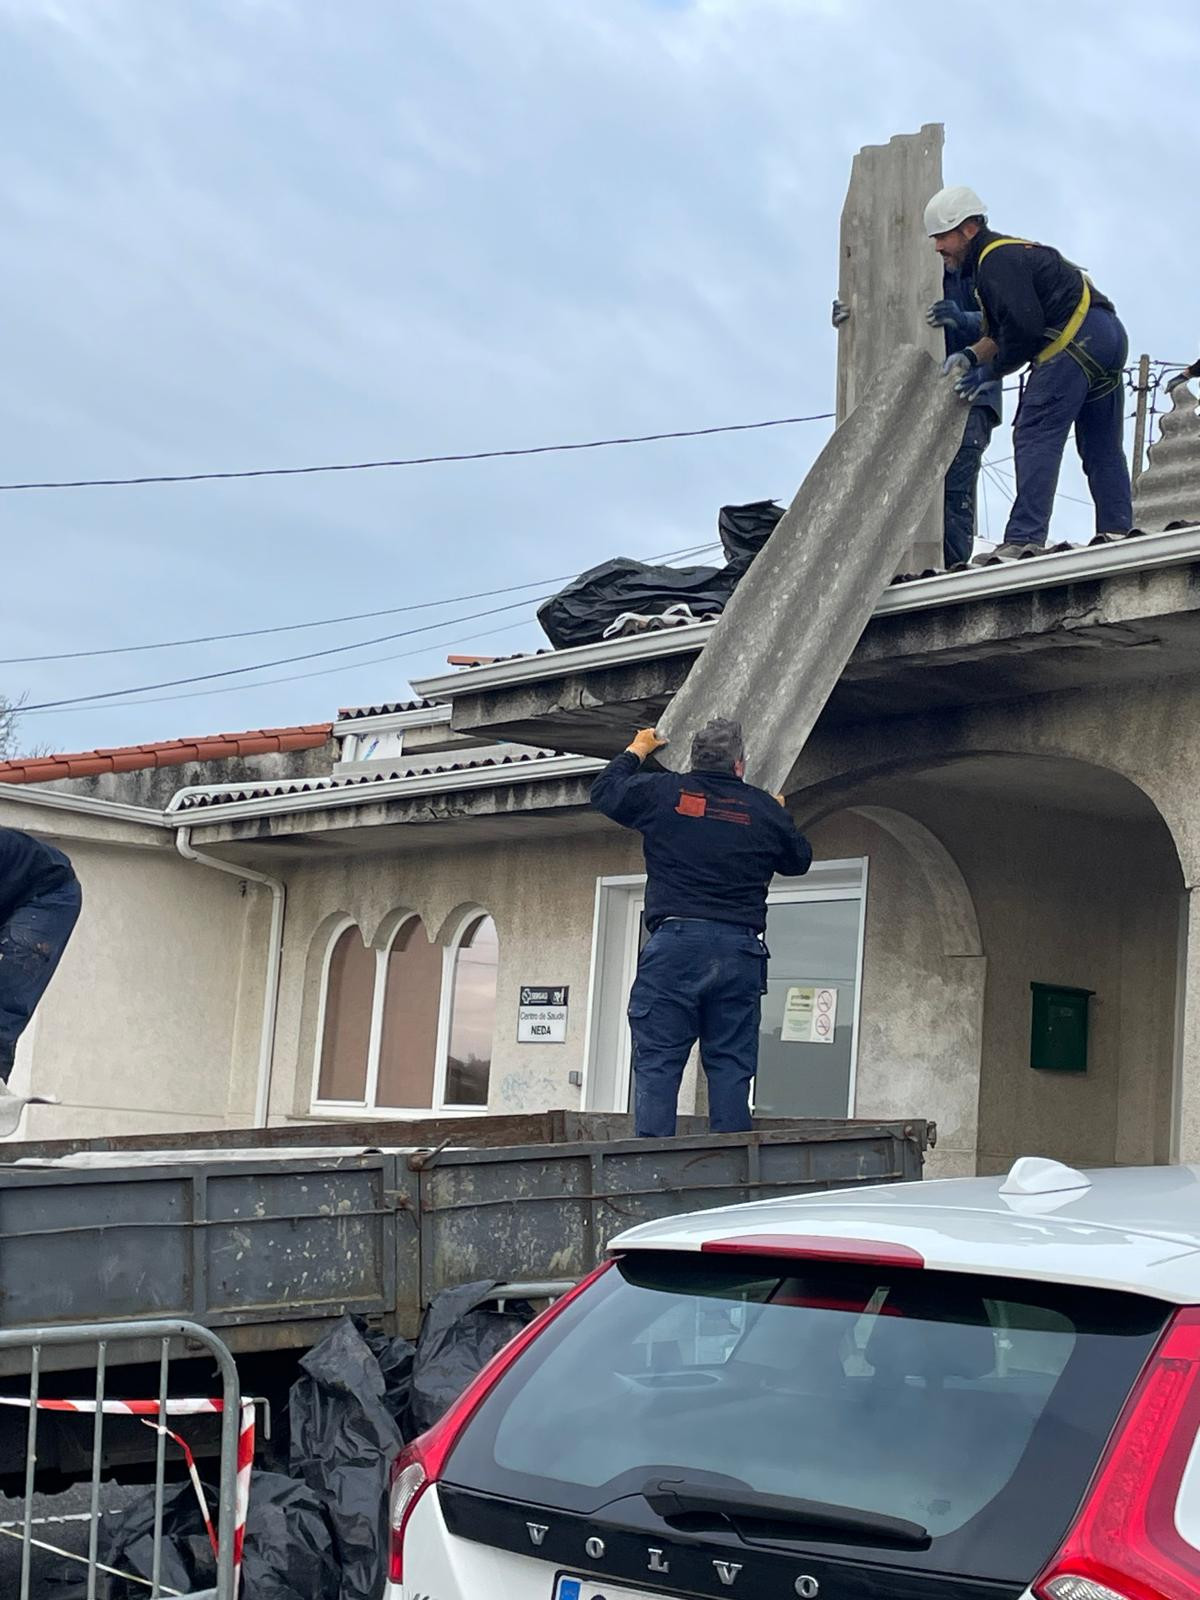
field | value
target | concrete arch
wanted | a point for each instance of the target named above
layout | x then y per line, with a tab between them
455	924
949	895
1050	738
390	924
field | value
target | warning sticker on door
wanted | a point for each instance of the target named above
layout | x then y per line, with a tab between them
809	1014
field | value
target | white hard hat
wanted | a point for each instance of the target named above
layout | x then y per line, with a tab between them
949	207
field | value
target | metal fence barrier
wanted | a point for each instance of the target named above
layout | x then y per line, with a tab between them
230	1505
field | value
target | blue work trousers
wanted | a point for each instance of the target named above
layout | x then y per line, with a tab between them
696	980
31	945
1059	395
962	480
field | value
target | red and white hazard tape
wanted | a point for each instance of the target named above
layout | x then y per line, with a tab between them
148	1411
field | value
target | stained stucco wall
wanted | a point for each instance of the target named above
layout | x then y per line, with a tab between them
542	896
152	1019
920	1025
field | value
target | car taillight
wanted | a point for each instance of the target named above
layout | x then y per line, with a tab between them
422	1463
1125	1544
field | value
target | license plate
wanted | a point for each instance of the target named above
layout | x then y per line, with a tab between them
597	1589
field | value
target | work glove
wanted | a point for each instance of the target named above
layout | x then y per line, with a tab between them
841	313
967	373
946	314
646	742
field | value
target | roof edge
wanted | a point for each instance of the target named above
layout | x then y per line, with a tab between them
1137	552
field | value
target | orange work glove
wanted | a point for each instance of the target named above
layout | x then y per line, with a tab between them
645	743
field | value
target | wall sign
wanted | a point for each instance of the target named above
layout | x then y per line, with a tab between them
809	1015
542	1013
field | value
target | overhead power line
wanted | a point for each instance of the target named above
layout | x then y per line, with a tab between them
319	672
318	622
293	677
413	461
280	661
109	696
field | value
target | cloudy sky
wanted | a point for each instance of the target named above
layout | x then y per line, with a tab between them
246	233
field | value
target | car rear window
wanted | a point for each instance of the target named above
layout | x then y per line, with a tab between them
975	1407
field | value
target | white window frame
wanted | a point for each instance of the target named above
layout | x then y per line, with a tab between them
366	1108
609	982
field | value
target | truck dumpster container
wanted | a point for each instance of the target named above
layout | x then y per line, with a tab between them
269	1245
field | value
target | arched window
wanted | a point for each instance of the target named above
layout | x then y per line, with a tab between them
408	1026
412	1000
472	1014
346	1030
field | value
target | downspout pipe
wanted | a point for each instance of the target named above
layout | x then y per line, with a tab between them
266	1048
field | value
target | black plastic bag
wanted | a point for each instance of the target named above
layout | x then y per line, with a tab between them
289	1552
745	529
127	1542
580	613
395	1358
343	1443
459	1336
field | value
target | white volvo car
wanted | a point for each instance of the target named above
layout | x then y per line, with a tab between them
984	1389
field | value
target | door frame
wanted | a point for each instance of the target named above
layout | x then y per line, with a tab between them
618	910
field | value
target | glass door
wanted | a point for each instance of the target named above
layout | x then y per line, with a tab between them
808	1037
806	1045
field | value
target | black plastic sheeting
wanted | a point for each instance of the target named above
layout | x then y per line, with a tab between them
343	1442
288	1553
458	1337
580	613
320	1532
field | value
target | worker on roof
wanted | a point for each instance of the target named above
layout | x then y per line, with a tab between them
1040	308
712	844
957	313
40	900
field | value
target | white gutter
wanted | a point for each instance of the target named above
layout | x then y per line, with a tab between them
1135	554
359	793
266	1041
85	805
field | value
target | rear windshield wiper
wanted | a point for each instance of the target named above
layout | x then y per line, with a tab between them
674	1497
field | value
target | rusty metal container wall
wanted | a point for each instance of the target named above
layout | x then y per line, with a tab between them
271	1250
534	1213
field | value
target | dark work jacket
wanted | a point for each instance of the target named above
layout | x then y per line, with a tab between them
28	868
1028	293
712	842
959	287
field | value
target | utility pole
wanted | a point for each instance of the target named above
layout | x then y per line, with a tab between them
1142	390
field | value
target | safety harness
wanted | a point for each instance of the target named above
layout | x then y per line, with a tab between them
1101	380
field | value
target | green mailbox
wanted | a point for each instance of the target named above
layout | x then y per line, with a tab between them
1058	1038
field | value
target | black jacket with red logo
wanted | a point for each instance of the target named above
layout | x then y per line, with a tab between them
712	842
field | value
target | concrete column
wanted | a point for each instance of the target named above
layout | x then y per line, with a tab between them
888	274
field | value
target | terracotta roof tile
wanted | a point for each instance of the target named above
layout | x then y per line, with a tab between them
166	753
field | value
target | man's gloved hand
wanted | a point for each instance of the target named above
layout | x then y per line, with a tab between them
967	373
944	314
645	742
841	313
782	801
